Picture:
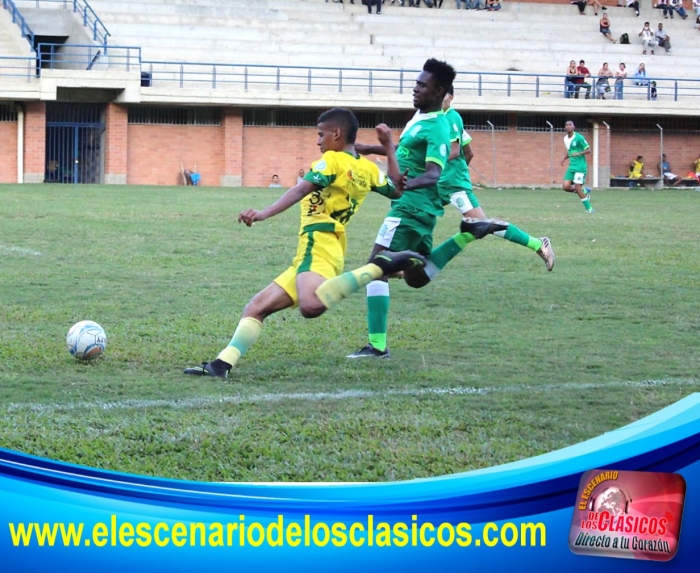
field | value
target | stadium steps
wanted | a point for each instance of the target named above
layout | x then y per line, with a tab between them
12	43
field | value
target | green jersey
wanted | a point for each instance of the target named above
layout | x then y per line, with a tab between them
576	144
425	139
455	176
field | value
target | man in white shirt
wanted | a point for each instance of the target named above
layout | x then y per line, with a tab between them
663	38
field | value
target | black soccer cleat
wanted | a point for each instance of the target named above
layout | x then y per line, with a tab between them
369	351
482	227
393	262
217	368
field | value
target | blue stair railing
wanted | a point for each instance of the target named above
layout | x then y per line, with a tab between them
18	19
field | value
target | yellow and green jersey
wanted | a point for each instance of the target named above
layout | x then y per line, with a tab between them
577	144
343	182
425	139
636	170
455	176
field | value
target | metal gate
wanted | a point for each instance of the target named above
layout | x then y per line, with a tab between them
74	142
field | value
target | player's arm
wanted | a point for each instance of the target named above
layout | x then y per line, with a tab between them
364	149
468	153
428	179
454	150
291	197
386	139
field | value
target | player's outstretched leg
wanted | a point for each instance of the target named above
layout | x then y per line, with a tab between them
546	252
383	263
479	228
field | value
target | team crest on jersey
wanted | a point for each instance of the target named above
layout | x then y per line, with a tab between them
320	166
443	150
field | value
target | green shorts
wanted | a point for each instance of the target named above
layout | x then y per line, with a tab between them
407	229
578	177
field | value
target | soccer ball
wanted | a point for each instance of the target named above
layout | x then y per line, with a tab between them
86	340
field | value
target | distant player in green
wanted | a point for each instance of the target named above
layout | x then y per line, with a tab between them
455	185
422	155
576	150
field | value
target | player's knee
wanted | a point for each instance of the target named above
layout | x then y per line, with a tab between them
311	308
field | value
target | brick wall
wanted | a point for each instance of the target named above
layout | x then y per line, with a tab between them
34	141
116	129
155	151
8	152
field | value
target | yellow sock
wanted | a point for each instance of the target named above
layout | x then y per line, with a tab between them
336	289
246	334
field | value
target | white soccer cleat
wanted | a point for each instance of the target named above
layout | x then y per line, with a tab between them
546	253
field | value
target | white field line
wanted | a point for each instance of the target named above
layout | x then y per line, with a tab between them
19	251
205	401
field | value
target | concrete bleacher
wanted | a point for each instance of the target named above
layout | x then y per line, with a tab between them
12	43
527	37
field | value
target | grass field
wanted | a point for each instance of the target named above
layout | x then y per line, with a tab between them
496	361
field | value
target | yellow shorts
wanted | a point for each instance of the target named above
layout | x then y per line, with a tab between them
319	252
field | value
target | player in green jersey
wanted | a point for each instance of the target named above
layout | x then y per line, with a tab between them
576	150
421	154
455	186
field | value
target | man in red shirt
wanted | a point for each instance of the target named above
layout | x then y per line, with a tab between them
581	82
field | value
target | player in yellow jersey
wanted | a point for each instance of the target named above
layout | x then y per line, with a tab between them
329	195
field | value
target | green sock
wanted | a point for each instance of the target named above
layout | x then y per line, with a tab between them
586	203
336	289
247	332
515	235
377	313
445	252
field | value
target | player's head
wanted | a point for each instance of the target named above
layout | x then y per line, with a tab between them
432	85
447	100
275	178
639	158
569	127
337	128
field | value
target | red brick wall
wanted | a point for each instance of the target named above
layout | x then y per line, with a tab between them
155	152
233	139
116	117
8	152
34	141
681	152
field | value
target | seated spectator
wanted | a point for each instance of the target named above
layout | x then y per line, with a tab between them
640	76
634	4
696	7
665	5
459	4
662	38
677	5
637	168
665	172
603	81
493	5
697	22
275	181
605	28
476	5
581	4
696	167
571	79
581	82
300	177
648	38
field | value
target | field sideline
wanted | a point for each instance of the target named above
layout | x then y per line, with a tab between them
496	361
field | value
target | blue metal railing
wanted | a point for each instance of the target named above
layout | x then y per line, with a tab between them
18	19
88	57
84	11
339	80
20	68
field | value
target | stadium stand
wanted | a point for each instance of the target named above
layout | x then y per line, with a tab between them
233	67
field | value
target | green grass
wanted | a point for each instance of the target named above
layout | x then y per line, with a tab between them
496	361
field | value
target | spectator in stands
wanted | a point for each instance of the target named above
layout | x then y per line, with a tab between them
581	4
665	172
459	4
377	3
648	38
640	75
475	5
493	5
605	28
603	81
652	91
665	5
571	79
663	39
697	22
340	1
300	177
634	4
636	169
696	7
620	75
275	181
677	5
581	82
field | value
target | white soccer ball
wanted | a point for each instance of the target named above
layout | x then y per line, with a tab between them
86	340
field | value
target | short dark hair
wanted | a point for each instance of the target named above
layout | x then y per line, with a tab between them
443	73
582	62
342	118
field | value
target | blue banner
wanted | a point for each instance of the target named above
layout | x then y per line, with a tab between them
62	517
